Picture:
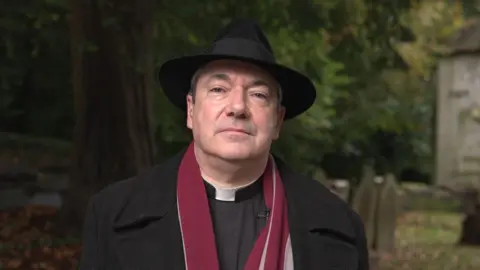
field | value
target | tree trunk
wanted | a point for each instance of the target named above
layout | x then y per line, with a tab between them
112	77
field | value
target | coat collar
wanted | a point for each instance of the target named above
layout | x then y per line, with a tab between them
311	206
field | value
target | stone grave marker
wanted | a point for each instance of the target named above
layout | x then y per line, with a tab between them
341	187
386	214
365	202
12	198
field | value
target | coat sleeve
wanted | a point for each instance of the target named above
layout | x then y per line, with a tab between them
362	247
90	255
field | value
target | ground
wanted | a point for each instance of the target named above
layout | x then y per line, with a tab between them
425	241
28	240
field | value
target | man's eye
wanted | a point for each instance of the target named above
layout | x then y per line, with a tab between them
217	89
260	95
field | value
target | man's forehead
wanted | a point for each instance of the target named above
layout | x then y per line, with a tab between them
225	69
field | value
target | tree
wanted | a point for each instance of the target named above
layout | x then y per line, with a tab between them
112	77
33	69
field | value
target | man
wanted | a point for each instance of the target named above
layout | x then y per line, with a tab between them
225	202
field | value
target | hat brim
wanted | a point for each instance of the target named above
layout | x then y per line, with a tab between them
175	77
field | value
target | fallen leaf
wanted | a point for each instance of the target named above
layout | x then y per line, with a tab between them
47	250
47	226
15	263
6	231
58	254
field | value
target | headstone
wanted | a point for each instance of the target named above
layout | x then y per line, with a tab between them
458	110
45	190
12	198
365	202
341	187
386	215
46	199
52	182
18	176
378	179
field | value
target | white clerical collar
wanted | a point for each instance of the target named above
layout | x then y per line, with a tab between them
230	194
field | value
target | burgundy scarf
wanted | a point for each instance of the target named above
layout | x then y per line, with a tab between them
272	250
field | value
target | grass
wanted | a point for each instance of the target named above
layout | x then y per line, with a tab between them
432	204
427	241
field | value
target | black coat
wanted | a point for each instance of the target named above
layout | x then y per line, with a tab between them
133	225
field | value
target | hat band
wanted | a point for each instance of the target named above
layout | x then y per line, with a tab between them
240	47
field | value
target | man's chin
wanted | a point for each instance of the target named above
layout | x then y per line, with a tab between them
234	157
231	152
234	154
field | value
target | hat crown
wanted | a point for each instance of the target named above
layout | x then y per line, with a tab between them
245	29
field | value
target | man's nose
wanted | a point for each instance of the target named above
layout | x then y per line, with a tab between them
237	106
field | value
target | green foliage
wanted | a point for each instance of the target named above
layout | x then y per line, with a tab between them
34	69
432	23
371	62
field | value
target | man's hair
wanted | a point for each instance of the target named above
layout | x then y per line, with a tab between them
196	76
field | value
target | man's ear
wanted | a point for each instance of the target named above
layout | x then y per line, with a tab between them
189	110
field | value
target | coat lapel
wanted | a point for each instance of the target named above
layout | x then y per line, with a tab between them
147	231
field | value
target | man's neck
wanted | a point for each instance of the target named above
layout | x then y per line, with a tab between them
229	174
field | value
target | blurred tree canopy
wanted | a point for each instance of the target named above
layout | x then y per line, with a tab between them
372	62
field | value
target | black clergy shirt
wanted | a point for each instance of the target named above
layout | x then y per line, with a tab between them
238	216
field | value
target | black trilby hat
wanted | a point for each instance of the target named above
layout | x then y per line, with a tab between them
241	40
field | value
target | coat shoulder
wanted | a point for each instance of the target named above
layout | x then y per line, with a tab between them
318	189
115	194
114	197
334	206
150	192
317	197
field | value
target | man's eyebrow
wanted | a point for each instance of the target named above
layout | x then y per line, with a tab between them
219	76
260	82
255	83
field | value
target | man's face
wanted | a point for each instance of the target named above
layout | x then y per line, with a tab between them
235	113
